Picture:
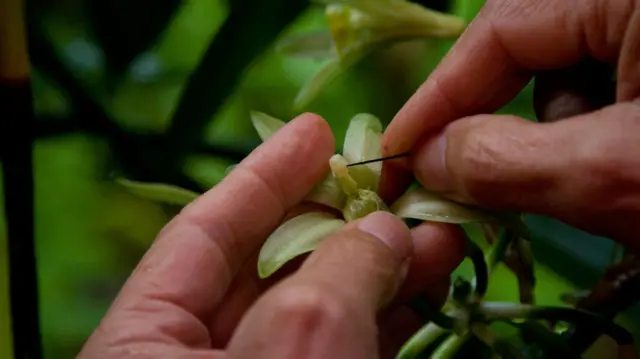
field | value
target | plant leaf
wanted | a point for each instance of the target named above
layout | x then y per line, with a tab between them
159	192
328	193
265	125
316	45
297	236
229	169
315	85
424	205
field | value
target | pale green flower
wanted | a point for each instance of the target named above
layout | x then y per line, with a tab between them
356	27
353	192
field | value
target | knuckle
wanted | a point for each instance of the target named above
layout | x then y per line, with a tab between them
473	162
610	160
308	308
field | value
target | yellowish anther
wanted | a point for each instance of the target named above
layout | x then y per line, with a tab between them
340	171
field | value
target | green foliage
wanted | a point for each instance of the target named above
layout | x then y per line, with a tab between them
188	77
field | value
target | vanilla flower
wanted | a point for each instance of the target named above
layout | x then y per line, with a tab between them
353	191
356	27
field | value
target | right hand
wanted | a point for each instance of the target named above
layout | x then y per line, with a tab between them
583	170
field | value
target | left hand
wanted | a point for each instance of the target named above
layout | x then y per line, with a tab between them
196	293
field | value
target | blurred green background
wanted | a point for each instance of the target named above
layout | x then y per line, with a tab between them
106	90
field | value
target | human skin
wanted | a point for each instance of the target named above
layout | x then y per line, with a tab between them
582	165
196	293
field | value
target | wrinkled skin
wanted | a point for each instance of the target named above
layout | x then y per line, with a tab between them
196	292
583	169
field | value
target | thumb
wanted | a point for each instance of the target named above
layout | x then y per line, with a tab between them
584	170
328	308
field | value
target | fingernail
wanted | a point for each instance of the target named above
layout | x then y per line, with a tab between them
430	164
390	230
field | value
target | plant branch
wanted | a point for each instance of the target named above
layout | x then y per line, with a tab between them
501	311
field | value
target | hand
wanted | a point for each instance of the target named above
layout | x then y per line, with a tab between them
196	293
584	170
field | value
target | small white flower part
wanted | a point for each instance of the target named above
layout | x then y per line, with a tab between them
352	191
340	172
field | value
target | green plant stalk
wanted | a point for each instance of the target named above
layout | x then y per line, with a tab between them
423	307
16	153
450	346
420	341
497	253
503	311
481	280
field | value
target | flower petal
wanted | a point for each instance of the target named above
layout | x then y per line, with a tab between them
362	143
159	192
265	125
315	45
297	236
328	193
424	205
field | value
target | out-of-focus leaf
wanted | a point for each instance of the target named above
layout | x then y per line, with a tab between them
159	192
315	45
125	29
265	125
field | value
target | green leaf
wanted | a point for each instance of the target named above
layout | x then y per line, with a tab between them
315	45
159	192
316	84
297	236
265	125
424	205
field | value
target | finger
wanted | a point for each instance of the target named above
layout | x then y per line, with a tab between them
438	249
185	274
247	286
328	308
628	70
582	170
568	92
495	57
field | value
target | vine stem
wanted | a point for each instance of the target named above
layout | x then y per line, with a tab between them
500	311
451	346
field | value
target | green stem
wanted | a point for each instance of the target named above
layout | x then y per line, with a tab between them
502	311
423	307
420	341
499	249
481	281
451	346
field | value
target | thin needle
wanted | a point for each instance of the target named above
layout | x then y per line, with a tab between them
379	159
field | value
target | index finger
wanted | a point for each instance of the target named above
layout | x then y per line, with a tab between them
194	259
